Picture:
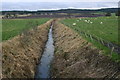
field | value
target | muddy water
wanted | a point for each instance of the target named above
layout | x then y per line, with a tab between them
43	70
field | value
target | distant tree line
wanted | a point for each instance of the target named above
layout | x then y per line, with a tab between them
10	15
116	14
108	11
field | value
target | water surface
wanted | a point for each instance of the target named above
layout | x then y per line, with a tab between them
43	70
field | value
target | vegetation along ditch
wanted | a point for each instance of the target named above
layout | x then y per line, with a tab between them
100	31
75	57
21	53
56	51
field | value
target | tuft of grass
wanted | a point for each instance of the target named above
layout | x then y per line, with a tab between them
65	55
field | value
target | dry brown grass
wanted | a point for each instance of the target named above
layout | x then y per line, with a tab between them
21	54
76	58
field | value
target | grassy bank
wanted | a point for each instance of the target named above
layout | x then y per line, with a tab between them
13	27
79	58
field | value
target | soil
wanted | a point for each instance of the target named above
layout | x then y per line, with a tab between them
74	57
21	54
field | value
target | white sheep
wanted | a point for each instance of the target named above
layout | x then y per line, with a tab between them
88	20
74	24
85	20
91	22
101	22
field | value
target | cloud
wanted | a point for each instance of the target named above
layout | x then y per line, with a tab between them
57	5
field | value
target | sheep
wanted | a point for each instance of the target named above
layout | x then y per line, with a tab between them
88	20
74	24
91	22
85	20
101	22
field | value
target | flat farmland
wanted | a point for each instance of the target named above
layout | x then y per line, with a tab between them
13	27
102	27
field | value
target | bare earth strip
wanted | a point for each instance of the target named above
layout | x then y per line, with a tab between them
21	54
76	58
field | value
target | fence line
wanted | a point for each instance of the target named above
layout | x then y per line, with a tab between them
112	46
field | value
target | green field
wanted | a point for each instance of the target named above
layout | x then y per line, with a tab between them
13	27
102	27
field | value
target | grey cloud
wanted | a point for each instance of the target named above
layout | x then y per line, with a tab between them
55	5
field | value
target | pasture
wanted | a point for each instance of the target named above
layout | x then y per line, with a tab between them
13	27
102	27
105	28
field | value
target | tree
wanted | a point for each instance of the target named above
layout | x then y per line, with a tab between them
108	14
14	15
7	15
118	13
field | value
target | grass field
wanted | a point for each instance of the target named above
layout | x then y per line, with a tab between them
102	27
13	27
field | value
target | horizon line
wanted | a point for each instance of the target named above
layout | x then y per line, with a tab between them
62	9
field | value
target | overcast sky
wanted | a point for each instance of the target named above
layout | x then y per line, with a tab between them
57	4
